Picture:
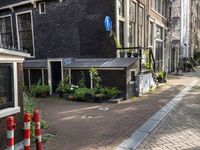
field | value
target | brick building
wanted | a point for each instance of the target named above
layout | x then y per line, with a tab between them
11	92
55	31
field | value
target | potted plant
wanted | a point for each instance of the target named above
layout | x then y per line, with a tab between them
62	87
80	94
99	98
40	90
129	53
71	90
135	54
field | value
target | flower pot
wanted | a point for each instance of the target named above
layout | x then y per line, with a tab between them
65	96
135	54
60	94
90	98
99	99
129	55
71	97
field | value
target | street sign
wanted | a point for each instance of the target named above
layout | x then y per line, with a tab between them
108	23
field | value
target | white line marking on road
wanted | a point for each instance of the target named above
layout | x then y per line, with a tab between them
138	136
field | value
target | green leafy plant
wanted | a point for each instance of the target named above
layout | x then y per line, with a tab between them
117	43
63	85
80	93
40	90
109	92
147	64
29	107
81	82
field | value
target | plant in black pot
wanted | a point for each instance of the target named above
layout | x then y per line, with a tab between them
71	91
129	53
62	87
80	94
90	96
135	54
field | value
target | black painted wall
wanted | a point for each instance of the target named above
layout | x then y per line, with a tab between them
72	28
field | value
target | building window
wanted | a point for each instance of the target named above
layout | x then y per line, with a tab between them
6	86
132	26
141	26
121	21
6	39
121	8
164	8
121	32
159	31
159	6
42	8
151	33
25	33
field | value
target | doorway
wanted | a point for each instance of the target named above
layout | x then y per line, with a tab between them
56	75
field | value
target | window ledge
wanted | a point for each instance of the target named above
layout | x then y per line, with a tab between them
9	111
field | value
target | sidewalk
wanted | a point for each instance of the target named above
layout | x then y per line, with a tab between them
180	129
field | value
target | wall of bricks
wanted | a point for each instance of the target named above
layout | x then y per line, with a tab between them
72	28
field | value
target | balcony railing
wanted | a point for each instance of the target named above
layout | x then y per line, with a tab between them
145	55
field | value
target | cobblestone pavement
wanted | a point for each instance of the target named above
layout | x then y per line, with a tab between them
180	129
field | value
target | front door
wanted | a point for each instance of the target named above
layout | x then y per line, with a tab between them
55	75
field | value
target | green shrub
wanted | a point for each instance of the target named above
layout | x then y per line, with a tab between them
80	93
109	92
29	107
64	85
40	90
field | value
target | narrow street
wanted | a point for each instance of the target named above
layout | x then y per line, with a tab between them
81	126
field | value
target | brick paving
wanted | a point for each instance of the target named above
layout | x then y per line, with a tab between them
180	129
106	129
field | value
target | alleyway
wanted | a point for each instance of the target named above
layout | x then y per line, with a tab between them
83	126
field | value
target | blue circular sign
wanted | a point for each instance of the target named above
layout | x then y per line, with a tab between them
108	23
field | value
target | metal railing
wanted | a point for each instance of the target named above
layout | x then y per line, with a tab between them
137	52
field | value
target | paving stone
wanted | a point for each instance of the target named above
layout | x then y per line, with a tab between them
180	128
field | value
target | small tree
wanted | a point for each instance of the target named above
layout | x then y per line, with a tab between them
95	78
81	82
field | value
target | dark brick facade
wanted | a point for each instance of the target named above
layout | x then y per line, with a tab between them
72	28
18	117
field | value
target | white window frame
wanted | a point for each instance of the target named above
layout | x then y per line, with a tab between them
126	21
40	10
136	21
11	26
15	109
143	26
161	8
18	40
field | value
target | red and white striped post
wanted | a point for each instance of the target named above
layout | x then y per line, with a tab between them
38	136
10	133
27	132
